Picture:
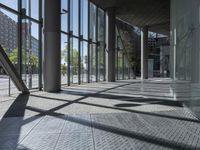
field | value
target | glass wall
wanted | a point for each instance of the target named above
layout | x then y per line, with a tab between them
64	58
101	45
31	43
21	36
64	41
83	42
84	62
124	68
185	52
93	65
9	42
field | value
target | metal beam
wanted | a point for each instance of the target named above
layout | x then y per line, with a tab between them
10	69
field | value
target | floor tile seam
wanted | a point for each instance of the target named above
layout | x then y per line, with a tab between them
60	132
93	138
30	131
150	127
185	128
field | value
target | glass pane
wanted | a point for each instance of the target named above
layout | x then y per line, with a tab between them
30	51
10	3
84	62
93	21
74	17
92	62
101	50
120	65
101	62
84	18
32	8
64	15
74	60
101	26
126	69
8	41
64	58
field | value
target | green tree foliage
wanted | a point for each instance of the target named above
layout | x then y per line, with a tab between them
13	56
73	59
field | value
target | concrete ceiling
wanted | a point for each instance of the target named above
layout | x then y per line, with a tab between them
152	13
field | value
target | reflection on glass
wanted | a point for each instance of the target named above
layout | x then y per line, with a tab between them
30	51
84	62
74	66
126	69
64	58
8	41
92	62
84	18
10	3
32	8
74	16
101	49
93	20
64	15
120	65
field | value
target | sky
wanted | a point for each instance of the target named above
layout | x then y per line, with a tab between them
34	12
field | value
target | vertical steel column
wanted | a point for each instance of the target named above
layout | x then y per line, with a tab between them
40	46
123	67
52	40
68	46
104	42
89	41
110	30
97	46
144	53
117	56
79	42
20	37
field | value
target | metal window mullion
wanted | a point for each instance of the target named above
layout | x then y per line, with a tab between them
88	41
97	46
20	38
123	65
104	59
40	45
79	43
116	55
68	52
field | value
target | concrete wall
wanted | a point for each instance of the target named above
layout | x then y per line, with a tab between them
185	51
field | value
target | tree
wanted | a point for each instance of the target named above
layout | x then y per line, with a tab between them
74	55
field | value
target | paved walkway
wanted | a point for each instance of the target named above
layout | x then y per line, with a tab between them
101	116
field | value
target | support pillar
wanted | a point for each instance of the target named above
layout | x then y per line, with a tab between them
144	53
52	39
110	43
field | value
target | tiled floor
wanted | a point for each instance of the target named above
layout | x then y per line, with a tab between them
101	116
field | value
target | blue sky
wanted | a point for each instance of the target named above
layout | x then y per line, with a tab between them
13	4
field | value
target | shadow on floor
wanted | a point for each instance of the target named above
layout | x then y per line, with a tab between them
122	132
17	109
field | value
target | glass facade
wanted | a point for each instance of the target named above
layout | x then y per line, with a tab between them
21	37
124	69
185	52
83	42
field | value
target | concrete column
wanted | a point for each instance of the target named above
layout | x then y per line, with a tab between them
52	54
144	53
110	43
